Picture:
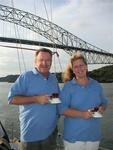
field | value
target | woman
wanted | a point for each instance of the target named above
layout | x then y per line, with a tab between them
80	96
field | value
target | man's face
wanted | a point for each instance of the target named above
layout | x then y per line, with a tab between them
43	62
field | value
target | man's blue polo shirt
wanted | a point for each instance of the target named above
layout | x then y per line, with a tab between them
37	121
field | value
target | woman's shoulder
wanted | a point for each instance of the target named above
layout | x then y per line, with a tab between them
94	82
68	84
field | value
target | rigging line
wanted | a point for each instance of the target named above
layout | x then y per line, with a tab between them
19	42
3	28
36	5
50	30
22	51
56	52
49	20
25	48
51	11
34	37
54	47
51	17
54	63
16	36
35	8
46	9
51	2
59	62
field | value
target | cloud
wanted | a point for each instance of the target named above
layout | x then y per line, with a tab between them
89	20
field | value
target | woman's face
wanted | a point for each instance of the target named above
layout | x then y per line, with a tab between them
79	68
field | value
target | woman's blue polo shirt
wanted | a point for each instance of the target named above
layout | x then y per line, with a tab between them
74	95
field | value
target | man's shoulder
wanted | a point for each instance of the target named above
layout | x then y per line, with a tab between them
25	74
29	72
53	76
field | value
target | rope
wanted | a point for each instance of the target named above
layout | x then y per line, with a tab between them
46	9
29	49
17	32
54	48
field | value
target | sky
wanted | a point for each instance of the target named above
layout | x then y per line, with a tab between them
90	20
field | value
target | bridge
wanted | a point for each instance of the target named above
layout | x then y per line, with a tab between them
58	37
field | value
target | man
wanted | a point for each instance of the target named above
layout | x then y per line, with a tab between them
38	117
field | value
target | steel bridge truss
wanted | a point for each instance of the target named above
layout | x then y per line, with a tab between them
59	37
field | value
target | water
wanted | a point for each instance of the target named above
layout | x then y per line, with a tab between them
9	116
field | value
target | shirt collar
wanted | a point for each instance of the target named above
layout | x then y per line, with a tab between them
73	81
36	72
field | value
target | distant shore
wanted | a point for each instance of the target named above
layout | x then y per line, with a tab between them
103	75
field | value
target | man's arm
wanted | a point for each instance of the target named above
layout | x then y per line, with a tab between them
22	100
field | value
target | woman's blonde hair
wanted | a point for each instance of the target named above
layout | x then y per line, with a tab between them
68	74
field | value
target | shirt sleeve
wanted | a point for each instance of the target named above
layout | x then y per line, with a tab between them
65	98
104	100
18	88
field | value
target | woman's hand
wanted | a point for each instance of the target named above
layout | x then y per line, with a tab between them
87	114
101	109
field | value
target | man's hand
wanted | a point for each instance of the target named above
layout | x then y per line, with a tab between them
44	99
